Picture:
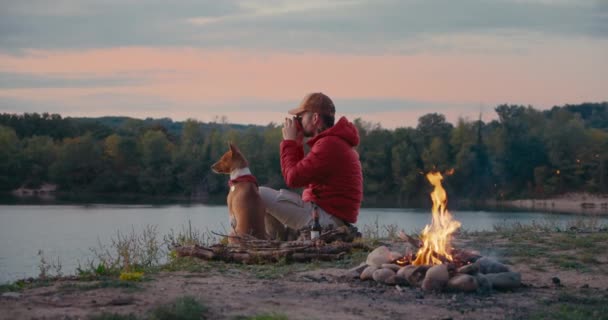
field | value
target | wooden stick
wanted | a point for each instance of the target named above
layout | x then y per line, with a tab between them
405	237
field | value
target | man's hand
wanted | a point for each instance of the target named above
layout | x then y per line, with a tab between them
291	132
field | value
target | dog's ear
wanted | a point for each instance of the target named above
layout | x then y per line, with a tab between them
233	148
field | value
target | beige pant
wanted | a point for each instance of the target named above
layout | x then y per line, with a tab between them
286	209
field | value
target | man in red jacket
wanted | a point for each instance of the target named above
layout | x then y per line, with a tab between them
330	172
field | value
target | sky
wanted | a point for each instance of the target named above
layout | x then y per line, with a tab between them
387	62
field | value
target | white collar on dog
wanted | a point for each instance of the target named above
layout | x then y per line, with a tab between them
239	172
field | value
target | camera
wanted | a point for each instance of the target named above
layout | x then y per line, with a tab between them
298	122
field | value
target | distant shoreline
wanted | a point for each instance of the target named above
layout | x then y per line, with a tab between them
572	203
576	203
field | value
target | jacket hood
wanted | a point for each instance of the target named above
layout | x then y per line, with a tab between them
343	129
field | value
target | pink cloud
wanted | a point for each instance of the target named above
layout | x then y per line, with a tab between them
189	77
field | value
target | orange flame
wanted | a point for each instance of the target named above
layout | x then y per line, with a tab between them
436	237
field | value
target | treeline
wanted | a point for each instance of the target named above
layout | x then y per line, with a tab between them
525	153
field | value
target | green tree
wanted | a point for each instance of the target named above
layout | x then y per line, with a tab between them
375	153
122	164
157	176
9	159
521	148
406	167
38	155
566	143
472	171
79	162
435	134
189	162
270	157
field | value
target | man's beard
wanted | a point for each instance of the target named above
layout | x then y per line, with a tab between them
308	134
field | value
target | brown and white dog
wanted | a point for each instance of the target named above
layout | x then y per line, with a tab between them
247	212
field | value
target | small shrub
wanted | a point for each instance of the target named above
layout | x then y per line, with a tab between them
128	252
184	308
265	317
46	267
131	276
112	316
188	236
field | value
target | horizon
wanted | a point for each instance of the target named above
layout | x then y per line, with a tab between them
385	62
225	120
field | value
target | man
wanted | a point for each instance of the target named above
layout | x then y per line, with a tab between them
330	172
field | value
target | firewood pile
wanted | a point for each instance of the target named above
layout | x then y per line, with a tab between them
332	244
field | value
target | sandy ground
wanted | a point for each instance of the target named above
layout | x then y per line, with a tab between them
322	293
580	203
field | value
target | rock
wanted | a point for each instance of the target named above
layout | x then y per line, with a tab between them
471	269
401	281
436	278
484	286
379	256
351	274
403	248
414	274
556	281
463	282
57	301
391	266
401	278
504	280
11	295
356	271
121	301
368	272
488	265
384	275
396	255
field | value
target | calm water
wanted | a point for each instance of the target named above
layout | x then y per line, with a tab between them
68	232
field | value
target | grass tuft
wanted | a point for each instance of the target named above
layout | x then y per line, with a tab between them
273	316
112	316
106	283
185	308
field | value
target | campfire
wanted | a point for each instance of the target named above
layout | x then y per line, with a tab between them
436	237
431	263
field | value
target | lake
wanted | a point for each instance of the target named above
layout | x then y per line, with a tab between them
67	232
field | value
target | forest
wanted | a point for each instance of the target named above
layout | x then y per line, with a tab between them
524	153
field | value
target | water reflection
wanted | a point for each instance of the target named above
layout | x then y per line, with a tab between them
68	231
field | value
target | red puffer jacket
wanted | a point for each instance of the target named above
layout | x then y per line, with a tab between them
331	171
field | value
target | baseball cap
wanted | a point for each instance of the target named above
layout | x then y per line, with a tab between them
315	102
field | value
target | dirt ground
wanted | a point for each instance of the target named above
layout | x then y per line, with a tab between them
552	288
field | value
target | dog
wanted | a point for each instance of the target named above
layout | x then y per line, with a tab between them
247	212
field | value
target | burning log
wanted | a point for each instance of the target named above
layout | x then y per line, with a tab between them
416	243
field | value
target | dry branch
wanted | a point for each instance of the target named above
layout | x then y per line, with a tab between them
250	250
409	239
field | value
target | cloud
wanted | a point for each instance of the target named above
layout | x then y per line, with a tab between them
101	24
91	105
337	26
552	73
391	113
15	80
